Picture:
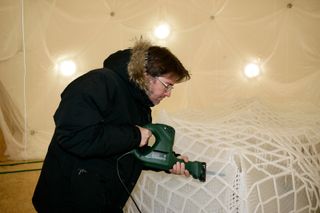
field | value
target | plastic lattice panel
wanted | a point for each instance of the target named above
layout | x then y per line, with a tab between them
265	161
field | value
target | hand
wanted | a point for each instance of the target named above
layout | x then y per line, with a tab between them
145	135
179	167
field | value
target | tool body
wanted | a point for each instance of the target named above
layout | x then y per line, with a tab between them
161	156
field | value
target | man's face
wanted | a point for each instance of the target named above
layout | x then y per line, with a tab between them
160	87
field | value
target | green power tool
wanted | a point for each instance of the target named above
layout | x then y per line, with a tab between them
161	156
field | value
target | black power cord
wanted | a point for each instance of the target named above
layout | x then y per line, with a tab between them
19	163
124	186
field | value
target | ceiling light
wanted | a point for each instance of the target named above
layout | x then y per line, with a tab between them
67	67
162	31
252	70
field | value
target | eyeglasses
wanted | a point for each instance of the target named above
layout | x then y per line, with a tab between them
167	87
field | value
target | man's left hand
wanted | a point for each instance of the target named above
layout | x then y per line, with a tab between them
179	167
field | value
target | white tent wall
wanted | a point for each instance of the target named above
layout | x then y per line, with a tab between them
214	39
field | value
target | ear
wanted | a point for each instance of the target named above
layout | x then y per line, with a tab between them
147	76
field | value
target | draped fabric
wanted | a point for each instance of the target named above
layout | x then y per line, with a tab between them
214	39
259	159
261	133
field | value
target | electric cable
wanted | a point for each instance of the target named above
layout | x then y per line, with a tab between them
19	163
18	171
124	186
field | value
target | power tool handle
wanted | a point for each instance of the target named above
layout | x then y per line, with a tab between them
196	169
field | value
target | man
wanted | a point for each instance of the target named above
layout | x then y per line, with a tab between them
100	118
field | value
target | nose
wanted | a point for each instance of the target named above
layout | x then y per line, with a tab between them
167	94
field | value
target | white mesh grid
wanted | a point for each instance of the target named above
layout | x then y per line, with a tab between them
266	160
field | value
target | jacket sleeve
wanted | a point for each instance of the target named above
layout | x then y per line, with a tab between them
81	125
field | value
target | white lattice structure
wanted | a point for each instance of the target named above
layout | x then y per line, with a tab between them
267	160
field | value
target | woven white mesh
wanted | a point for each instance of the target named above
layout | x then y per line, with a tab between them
266	161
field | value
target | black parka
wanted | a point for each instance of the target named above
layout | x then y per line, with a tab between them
95	125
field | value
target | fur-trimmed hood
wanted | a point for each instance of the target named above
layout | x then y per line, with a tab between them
137	64
130	63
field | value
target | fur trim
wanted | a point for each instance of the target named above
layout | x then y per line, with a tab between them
138	60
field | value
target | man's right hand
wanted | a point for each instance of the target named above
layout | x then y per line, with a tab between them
145	135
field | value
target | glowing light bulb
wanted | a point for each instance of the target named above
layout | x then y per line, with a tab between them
252	70
162	31
67	67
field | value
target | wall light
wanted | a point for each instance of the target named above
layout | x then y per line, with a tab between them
162	31
252	70
67	67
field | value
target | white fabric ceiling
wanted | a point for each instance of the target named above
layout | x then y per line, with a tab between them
213	38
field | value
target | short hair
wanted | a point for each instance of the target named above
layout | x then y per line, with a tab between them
160	61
